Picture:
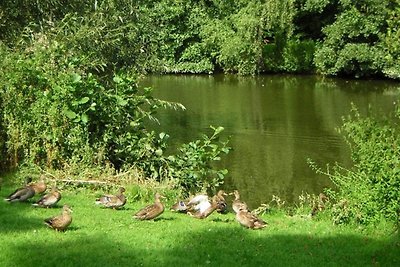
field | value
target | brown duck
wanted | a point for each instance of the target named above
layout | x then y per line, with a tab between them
249	220
60	222
151	211
50	199
113	201
23	193
39	187
320	204
237	203
222	206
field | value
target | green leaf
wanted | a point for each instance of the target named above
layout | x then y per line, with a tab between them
84	118
70	114
117	79
219	129
121	101
76	78
84	100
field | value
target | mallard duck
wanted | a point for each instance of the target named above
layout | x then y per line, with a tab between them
113	201
249	220
205	213
39	187
151	211
237	203
23	193
221	202
320	204
50	199
180	206
199	203
60	222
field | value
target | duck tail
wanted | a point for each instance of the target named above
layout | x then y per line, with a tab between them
48	222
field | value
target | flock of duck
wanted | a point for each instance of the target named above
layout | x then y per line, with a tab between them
199	206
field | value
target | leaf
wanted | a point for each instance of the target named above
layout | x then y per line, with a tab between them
70	114
219	129
84	118
121	101
76	78
84	100
117	79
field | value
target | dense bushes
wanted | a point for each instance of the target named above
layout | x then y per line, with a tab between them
356	43
370	190
246	37
55	114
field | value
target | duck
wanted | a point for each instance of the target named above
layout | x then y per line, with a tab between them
23	193
39	187
199	203
151	211
222	206
113	201
180	206
319	205
249	220
60	222
205	213
49	200
237	203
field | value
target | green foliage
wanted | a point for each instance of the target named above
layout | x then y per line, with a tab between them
193	166
370	190
54	112
391	43
57	114
15	16
289	56
357	38
353	43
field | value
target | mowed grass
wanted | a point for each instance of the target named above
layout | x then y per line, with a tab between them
105	237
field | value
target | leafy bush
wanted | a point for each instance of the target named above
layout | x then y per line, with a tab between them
370	190
193	165
56	114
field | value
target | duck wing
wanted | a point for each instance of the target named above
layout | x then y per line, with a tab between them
48	200
59	222
250	220
149	212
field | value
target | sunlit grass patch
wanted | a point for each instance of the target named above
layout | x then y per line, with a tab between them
107	237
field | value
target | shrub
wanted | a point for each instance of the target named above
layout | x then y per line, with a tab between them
370	190
57	114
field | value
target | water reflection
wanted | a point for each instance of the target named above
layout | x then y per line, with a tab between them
275	123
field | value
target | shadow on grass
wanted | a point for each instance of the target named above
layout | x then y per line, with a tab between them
243	247
13	216
217	247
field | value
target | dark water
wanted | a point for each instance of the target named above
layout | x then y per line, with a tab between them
274	122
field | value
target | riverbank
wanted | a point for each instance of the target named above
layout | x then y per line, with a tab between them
104	237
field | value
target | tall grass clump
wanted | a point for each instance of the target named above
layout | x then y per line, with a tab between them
369	192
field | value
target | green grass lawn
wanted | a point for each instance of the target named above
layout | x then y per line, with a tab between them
104	237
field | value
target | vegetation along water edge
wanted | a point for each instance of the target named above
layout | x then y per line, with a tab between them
72	114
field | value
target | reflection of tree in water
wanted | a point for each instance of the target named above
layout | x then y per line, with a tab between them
275	122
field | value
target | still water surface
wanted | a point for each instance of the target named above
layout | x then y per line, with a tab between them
274	122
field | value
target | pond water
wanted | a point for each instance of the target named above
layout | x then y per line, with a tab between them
274	122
